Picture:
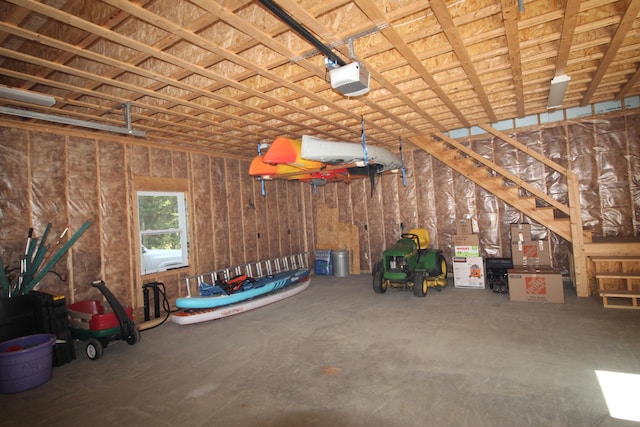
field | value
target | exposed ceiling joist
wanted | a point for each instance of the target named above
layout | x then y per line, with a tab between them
569	23
510	17
224	75
441	12
628	19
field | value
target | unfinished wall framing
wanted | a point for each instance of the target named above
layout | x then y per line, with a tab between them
66	177
604	152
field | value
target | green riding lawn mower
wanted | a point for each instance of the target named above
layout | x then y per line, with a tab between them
409	263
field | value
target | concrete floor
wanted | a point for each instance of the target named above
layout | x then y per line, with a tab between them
340	355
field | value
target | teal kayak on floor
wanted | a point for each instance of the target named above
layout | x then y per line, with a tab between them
261	286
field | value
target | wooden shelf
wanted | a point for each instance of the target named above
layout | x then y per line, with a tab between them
621	275
622	298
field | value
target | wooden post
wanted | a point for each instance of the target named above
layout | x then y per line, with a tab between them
581	278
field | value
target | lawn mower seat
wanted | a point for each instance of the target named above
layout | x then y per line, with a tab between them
423	237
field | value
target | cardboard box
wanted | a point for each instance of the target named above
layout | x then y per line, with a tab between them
464	226
466	251
520	232
536	285
531	253
466	240
466	245
468	272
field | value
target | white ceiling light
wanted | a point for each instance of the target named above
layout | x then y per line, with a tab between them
26	96
558	88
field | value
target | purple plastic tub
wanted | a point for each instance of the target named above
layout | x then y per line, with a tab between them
26	362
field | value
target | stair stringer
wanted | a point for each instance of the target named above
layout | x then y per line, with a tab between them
462	159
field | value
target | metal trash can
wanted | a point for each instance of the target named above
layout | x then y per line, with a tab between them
340	261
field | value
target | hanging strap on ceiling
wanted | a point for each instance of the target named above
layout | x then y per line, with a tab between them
371	168
404	170
364	142
264	193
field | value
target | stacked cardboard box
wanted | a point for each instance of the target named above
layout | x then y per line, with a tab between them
528	252
532	278
465	243
468	265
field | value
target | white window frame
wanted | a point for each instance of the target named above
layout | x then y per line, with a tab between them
182	230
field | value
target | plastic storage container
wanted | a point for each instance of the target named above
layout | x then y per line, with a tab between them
91	315
26	362
17	317
322	264
340	263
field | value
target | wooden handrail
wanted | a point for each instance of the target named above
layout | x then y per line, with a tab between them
520	146
505	173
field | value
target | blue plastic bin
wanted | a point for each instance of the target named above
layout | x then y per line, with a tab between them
323	265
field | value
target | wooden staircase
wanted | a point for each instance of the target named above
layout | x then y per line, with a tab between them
563	219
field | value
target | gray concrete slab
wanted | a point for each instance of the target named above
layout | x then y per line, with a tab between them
340	355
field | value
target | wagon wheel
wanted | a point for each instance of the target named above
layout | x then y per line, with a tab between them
94	349
134	337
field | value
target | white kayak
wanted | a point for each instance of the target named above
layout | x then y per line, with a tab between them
348	153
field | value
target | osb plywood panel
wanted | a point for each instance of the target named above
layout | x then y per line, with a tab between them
335	235
327	222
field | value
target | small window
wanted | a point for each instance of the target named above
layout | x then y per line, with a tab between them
162	221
